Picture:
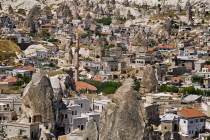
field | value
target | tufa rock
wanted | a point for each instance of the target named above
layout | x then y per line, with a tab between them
125	118
35	12
64	11
10	10
39	103
149	81
91	132
139	43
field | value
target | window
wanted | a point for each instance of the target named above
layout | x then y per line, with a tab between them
75	112
184	121
201	120
66	116
196	120
72	112
81	105
191	121
165	127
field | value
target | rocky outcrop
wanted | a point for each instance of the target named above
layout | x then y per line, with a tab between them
39	103
29	24
149	81
125	118
62	86
64	11
35	11
47	11
139	43
91	132
10	10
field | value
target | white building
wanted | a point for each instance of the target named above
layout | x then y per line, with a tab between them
191	122
29	130
15	72
98	105
77	115
106	29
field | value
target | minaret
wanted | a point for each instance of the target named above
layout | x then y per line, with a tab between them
77	58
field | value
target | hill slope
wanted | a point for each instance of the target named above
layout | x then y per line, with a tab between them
27	4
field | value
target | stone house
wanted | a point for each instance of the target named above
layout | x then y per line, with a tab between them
152	111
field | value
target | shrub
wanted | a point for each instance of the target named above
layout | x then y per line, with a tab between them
108	87
109	90
16	88
54	40
165	88
105	21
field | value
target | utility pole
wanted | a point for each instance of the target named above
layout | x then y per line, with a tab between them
77	58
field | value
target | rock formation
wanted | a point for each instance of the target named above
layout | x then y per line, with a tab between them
64	11
29	24
39	103
125	118
91	132
0	6
35	12
167	27
178	8
149	81
47	11
62	85
139	43
10	10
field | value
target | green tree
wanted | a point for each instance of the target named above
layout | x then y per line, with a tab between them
192	90
165	88
109	90
207	62
105	21
45	33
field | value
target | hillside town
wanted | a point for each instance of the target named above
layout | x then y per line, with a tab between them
104	70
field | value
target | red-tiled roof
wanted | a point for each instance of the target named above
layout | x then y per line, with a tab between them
207	66
84	86
191	113
199	45
10	37
10	80
129	52
151	49
165	46
22	31
104	33
176	79
30	68
99	79
48	25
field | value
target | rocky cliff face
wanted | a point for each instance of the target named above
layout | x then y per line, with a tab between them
149	81
39	103
124	118
92	131
62	86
